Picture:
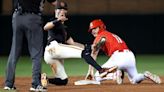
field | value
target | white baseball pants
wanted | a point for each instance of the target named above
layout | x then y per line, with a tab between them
61	51
125	61
55	53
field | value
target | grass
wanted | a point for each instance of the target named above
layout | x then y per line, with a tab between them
2	90
75	67
153	63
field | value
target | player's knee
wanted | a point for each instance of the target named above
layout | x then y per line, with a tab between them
58	81
48	59
86	52
138	79
52	50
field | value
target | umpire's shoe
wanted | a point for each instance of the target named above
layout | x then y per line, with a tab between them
38	89
9	88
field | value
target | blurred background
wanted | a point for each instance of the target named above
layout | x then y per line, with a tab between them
139	22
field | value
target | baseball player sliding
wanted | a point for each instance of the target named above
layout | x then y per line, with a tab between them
61	46
120	55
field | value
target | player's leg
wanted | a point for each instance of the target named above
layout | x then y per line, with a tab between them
53	68
152	77
60	70
115	76
117	59
14	52
60	76
131	70
69	51
34	35
136	77
56	50
98	78
133	74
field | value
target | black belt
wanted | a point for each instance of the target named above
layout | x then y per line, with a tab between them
22	12
123	50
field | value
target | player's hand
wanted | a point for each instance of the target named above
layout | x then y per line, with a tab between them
62	18
89	77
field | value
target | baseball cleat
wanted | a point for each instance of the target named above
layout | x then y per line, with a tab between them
105	71
119	76
44	80
152	77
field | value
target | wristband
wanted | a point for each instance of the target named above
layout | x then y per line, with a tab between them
56	22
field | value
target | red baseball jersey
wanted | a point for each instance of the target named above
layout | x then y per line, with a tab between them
112	44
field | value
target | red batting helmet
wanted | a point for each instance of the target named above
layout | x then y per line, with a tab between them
96	23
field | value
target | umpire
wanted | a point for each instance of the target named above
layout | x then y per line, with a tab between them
26	21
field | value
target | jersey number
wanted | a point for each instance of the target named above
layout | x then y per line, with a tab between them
117	38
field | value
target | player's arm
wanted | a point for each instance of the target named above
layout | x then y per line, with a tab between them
90	74
51	24
97	46
61	18
94	54
48	26
95	50
90	54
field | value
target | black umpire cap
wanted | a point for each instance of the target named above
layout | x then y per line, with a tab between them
61	5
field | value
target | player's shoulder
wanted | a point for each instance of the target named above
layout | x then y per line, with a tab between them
105	33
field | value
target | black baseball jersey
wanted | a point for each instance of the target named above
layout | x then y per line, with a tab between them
30	5
58	33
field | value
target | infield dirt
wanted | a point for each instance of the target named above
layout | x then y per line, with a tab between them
23	84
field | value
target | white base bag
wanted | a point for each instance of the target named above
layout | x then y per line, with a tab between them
86	82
